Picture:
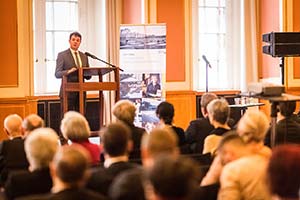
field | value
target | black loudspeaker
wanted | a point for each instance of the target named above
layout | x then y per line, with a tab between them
282	44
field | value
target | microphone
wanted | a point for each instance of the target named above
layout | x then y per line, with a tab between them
205	59
90	55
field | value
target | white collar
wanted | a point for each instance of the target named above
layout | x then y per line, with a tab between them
111	160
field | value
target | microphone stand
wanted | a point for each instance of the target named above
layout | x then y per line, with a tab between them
96	58
206	77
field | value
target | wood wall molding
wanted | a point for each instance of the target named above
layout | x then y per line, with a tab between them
21	106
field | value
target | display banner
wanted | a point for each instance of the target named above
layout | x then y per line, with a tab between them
143	59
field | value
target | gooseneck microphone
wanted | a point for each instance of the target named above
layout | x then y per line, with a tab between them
96	58
90	55
205	59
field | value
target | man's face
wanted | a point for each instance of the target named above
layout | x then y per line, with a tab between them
75	42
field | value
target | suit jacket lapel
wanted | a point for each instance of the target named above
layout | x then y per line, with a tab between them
71	58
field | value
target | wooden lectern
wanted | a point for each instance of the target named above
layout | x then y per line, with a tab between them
82	86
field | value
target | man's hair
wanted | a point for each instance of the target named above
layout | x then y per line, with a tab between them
287	108
77	34
124	110
160	141
253	126
71	163
219	110
206	98
32	122
13	124
165	111
284	171
173	178
115	138
40	147
231	137
128	185
75	127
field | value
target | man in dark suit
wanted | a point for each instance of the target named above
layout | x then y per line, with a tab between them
69	171
288	126
200	128
40	147
117	144
12	153
67	63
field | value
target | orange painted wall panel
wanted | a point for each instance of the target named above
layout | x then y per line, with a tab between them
269	21
131	12
296	28
9	44
172	13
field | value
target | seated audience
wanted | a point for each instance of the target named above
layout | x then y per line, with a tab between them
124	110
12	153
157	142
245	178
173	178
287	128
165	113
40	147
69	171
218	114
200	128
75	128
116	144
284	172
31	122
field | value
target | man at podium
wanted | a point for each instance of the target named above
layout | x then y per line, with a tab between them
67	63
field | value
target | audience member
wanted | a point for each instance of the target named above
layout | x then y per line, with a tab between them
12	153
116	143
218	114
287	128
124	110
284	172
157	142
165	113
245	178
40	147
200	128
69	171
173	178
31	122
75	128
231	147
129	185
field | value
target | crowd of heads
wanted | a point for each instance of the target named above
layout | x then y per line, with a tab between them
166	174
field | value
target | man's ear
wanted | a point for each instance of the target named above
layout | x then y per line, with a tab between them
130	145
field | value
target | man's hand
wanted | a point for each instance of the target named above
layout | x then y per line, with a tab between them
72	70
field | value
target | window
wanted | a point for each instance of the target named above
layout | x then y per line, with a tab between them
218	35
54	21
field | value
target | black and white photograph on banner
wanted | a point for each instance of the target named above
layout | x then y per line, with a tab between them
134	37
131	86
152	85
147	112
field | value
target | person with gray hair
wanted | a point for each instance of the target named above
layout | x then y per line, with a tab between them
12	153
199	128
245	178
125	111
218	114
75	128
31	122
40	147
69	171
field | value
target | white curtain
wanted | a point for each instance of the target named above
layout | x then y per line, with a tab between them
242	42
113	18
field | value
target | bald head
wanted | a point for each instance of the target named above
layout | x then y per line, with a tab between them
32	122
13	125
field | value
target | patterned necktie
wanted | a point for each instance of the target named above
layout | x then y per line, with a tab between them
77	59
